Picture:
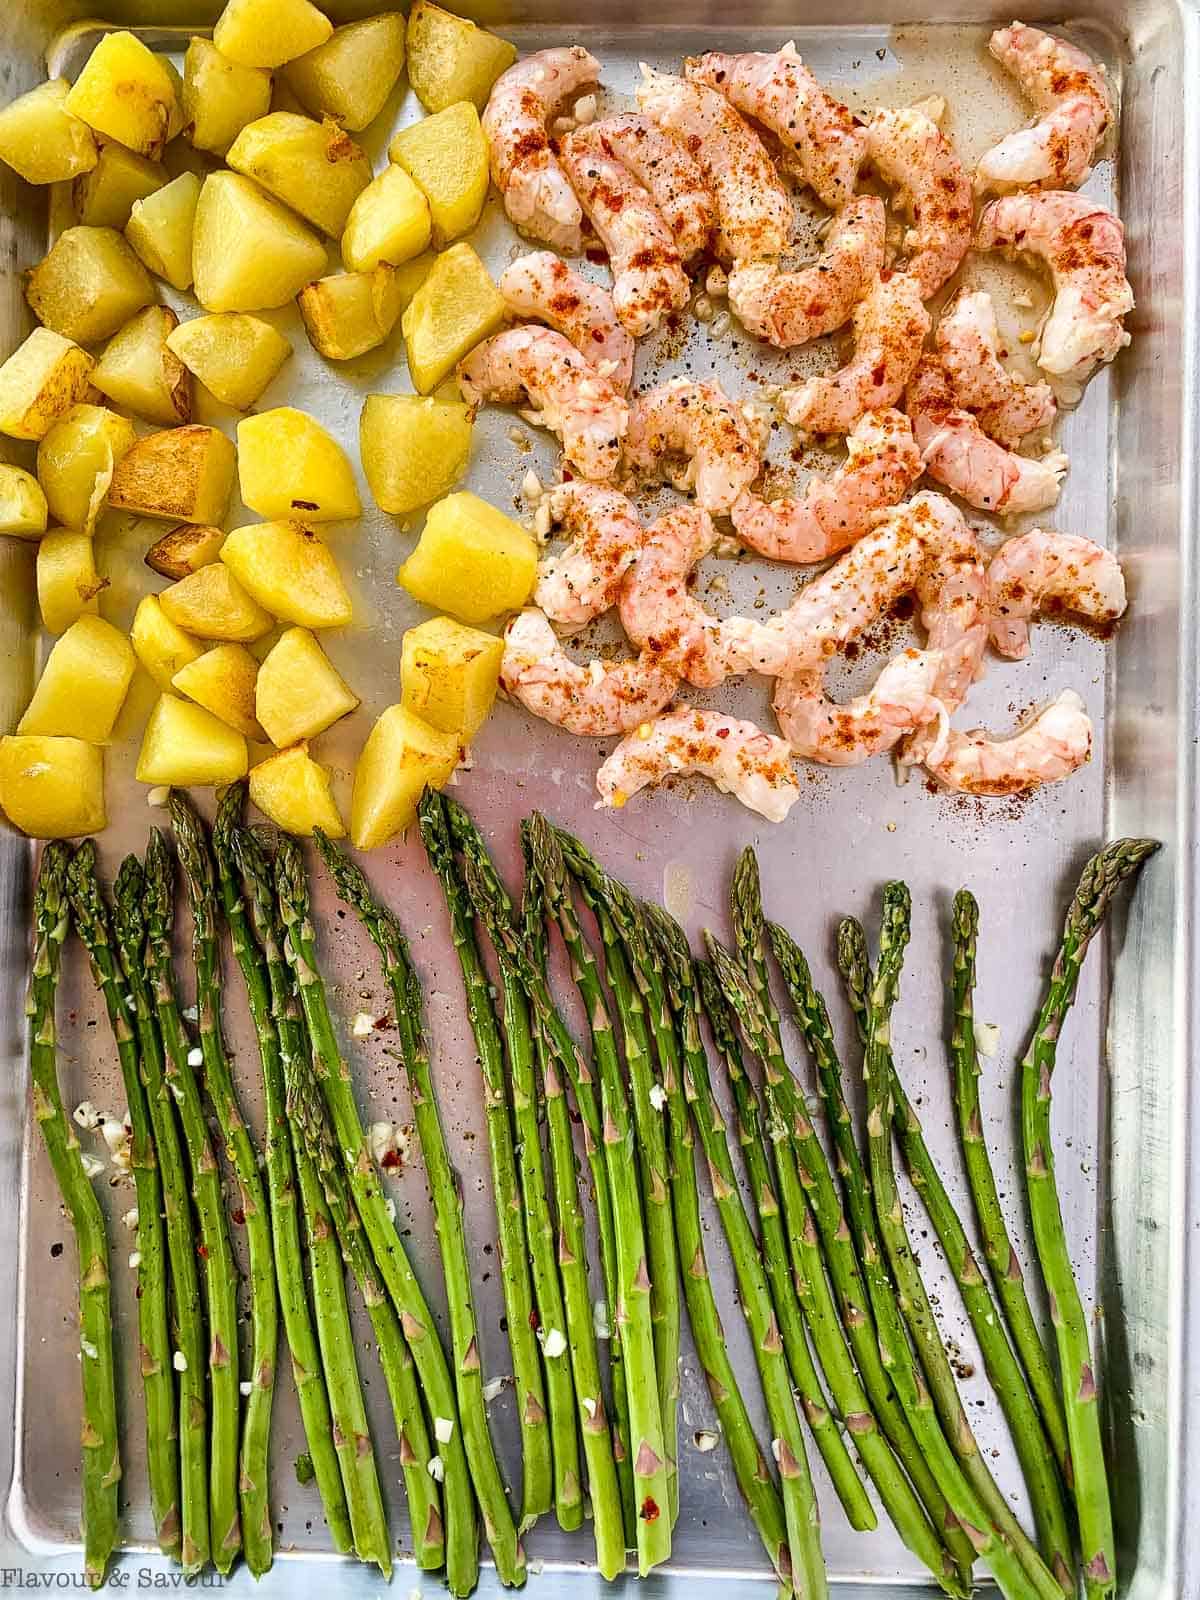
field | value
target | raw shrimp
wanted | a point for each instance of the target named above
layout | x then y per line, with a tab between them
1069	91
790	308
754	211
659	613
661	164
1050	748
543	286
696	421
968	342
1083	244
571	398
753	766
605	536
1042	571
958	454
915	159
882	463
648	276
593	701
537	196
779	91
890	326
900	700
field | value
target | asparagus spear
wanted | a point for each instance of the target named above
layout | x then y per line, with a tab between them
254	1485
154	1340
1101	878
537	1462
333	1074
148	913
101	1462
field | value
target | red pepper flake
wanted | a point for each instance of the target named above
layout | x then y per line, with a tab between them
649	1511
202	1251
535	1321
239	1216
390	1161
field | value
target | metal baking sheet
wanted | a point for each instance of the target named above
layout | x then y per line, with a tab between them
1123	1095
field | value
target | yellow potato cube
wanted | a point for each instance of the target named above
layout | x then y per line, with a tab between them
160	229
76	460
220	96
446	156
211	604
314	167
266	33
105	196
413	448
41	140
176	122
350	76
402	756
126	93
471	560
449	675
52	788
83	683
389	221
293	791
451	59
249	253
289	466
235	356
67	581
182	474
23	509
411	275
352	312
160	646
89	285
137	370
43	378
186	745
185	549
289	571
222	681
300	691
456	306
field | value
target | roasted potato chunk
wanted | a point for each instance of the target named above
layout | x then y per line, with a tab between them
160	229
249	253
83	683
471	560
446	156
456	306
105	196
76	460
23	509
289	571
449	675
289	467
42	379
350	313
293	791
211	604
89	285
182	474
186	745
267	33
220	96
350	76
126	93
160	645
300	691
401	757
451	59
68	584
235	356
41	140
138	371
222	681
52	788
413	448
314	167
389	221
184	550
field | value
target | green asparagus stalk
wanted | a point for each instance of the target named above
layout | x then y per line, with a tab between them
154	1340
148	912
101	1462
254	1484
1103	875
416	1319
536	1456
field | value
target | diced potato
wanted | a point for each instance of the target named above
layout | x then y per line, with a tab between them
125	93
289	571
42	379
402	756
176	122
23	509
288	466
41	140
235	356
137	371
68	584
300	691
446	156
220	96
455	307
293	791
212	604
160	229
182	474
266	33
222	681
471	560
52	788
83	684
249	253
314	167
388	222
184	550
76	460
451	59
89	285
105	196
413	449
449	675
350	313
159	644
350	76
184	744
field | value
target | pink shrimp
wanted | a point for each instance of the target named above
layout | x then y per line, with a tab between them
592	701
659	613
663	165
1069	91
900	700
581	582
1046	572
543	286
698	422
968	342
913	156
1056	743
